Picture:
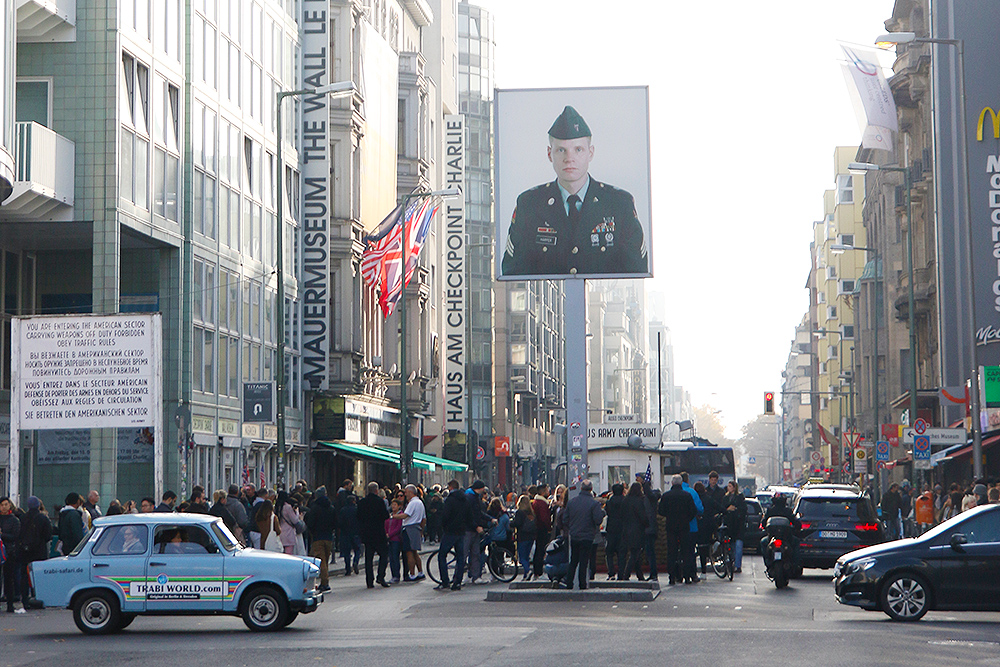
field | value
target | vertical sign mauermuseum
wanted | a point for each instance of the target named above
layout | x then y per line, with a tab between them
315	157
456	292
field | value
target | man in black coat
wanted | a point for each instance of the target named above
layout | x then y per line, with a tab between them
33	544
321	520
372	515
890	504
574	224
456	517
678	508
615	508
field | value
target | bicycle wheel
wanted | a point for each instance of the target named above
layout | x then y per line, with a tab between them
730	564
502	564
432	565
719	560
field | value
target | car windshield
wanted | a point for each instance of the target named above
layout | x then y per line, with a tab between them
92	533
834	508
226	538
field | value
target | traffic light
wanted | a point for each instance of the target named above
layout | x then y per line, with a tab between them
768	402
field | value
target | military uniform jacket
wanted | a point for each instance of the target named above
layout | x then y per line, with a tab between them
607	239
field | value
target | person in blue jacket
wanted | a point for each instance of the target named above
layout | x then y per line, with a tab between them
689	546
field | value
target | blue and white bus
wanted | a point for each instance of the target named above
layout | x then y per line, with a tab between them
620	463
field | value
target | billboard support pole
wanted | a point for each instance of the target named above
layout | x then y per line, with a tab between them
576	382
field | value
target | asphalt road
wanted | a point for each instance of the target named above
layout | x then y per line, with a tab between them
717	622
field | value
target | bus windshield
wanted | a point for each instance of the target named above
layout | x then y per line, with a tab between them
698	462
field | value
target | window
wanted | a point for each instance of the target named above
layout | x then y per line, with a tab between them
820	297
846	239
166	160
832	352
134	112
845	189
831	272
32	100
848	330
831	312
846	287
518	354
122	541
519	300
183	540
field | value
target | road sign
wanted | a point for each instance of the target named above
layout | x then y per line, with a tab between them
860	459
815	456
938	436
922	448
882	450
480	453
752	460
880	465
920	426
621	419
258	402
501	446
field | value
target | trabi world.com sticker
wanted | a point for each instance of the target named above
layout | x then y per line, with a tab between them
162	579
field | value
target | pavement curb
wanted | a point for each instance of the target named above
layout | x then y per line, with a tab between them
589	595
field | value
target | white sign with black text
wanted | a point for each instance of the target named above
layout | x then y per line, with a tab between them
456	292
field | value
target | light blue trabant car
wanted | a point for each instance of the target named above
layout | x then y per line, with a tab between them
174	564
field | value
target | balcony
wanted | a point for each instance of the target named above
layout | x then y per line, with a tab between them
924	292
46	20
44	175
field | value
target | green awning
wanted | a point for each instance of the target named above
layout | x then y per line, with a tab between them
364	451
376	454
445	464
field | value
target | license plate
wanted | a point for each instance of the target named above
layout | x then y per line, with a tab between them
777	555
833	534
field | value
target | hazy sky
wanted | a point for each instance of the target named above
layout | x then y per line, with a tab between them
747	102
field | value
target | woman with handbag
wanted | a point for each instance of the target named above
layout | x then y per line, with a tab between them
269	527
524	524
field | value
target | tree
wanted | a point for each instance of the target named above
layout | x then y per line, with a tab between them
760	440
708	426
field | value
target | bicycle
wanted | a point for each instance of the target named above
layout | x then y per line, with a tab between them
499	560
722	556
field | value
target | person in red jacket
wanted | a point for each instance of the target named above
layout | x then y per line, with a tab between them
543	526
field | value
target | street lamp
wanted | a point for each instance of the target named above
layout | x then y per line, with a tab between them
405	453
337	89
894	38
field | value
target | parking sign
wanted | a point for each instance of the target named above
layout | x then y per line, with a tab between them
882	450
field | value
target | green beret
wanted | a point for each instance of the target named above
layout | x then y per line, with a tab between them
569	125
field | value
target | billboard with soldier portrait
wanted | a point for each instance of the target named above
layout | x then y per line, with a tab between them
573	183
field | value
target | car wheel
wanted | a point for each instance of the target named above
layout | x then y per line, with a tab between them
292	615
97	613
905	597
126	621
264	609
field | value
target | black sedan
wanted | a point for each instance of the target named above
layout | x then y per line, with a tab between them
753	533
954	566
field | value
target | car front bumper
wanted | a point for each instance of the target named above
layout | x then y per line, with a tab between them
858	589
308	604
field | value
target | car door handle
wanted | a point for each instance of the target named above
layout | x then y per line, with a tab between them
100	564
157	564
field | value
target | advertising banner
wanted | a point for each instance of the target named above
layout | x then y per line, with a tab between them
972	22
618	434
456	293
315	140
872	97
572	183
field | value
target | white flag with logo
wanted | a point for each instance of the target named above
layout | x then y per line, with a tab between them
871	96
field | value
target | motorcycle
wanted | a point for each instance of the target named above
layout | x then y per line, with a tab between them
778	554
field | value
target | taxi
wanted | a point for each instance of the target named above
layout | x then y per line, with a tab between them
176	564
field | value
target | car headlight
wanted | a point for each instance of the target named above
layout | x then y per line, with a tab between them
859	565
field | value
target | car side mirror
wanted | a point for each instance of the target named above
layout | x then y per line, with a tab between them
957	540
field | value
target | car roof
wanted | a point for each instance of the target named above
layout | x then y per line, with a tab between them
828	485
156	518
832	493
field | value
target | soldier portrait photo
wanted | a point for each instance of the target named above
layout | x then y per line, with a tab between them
574	225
